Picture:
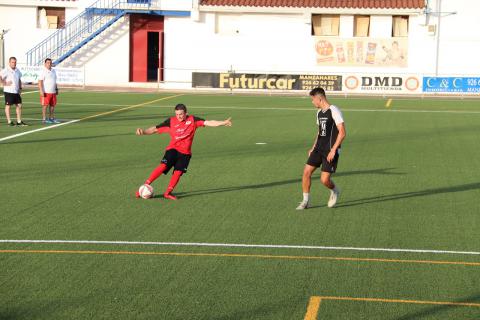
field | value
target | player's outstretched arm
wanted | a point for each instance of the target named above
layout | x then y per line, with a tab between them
215	123
141	132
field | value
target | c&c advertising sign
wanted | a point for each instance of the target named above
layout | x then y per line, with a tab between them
451	84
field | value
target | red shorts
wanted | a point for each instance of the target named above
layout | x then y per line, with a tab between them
49	99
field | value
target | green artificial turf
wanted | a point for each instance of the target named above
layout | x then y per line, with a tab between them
408	175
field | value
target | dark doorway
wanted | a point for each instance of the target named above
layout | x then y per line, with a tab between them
146	47
153	57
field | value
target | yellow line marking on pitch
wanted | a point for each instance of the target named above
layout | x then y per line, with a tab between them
315	301
389	103
129	107
312	308
443	303
237	255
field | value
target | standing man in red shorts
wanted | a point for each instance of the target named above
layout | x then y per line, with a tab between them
182	129
47	84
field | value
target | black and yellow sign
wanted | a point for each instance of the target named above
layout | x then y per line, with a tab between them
266	81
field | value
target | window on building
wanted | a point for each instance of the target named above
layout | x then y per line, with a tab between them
325	25
400	26
361	26
51	18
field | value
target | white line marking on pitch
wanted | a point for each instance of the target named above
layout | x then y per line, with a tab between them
87	118
23	93
40	119
240	245
37	130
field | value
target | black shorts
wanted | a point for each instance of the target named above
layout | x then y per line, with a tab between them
319	158
179	161
12	98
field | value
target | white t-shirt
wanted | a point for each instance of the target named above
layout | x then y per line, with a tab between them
49	78
13	76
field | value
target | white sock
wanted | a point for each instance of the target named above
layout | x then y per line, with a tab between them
306	197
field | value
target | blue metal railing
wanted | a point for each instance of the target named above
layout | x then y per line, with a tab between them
81	29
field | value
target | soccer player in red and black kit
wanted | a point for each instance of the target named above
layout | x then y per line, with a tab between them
326	149
182	129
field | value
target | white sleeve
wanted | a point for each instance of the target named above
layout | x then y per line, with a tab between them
336	115
3	74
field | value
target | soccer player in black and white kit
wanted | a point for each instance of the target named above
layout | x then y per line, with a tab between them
326	149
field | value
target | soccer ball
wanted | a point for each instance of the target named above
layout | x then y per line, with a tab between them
146	191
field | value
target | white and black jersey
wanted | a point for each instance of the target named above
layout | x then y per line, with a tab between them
327	121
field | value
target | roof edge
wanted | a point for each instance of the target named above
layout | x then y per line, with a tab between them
310	10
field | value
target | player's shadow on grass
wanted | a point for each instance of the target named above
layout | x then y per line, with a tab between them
406	195
384	171
429	312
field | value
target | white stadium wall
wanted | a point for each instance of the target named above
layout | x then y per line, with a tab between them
269	43
460	38
23	34
251	42
109	65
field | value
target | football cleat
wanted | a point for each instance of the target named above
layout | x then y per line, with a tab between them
170	196
334	194
303	205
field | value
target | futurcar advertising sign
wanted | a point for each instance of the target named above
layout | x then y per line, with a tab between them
266	81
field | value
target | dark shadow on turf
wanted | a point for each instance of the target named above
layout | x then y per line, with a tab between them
406	195
428	312
384	171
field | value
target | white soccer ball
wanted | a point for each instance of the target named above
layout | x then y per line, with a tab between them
146	191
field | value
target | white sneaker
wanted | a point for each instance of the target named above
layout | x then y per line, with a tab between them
303	205
334	194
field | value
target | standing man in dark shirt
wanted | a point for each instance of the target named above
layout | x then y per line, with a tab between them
326	149
182	129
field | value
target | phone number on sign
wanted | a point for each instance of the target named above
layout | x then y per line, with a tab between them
473	81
